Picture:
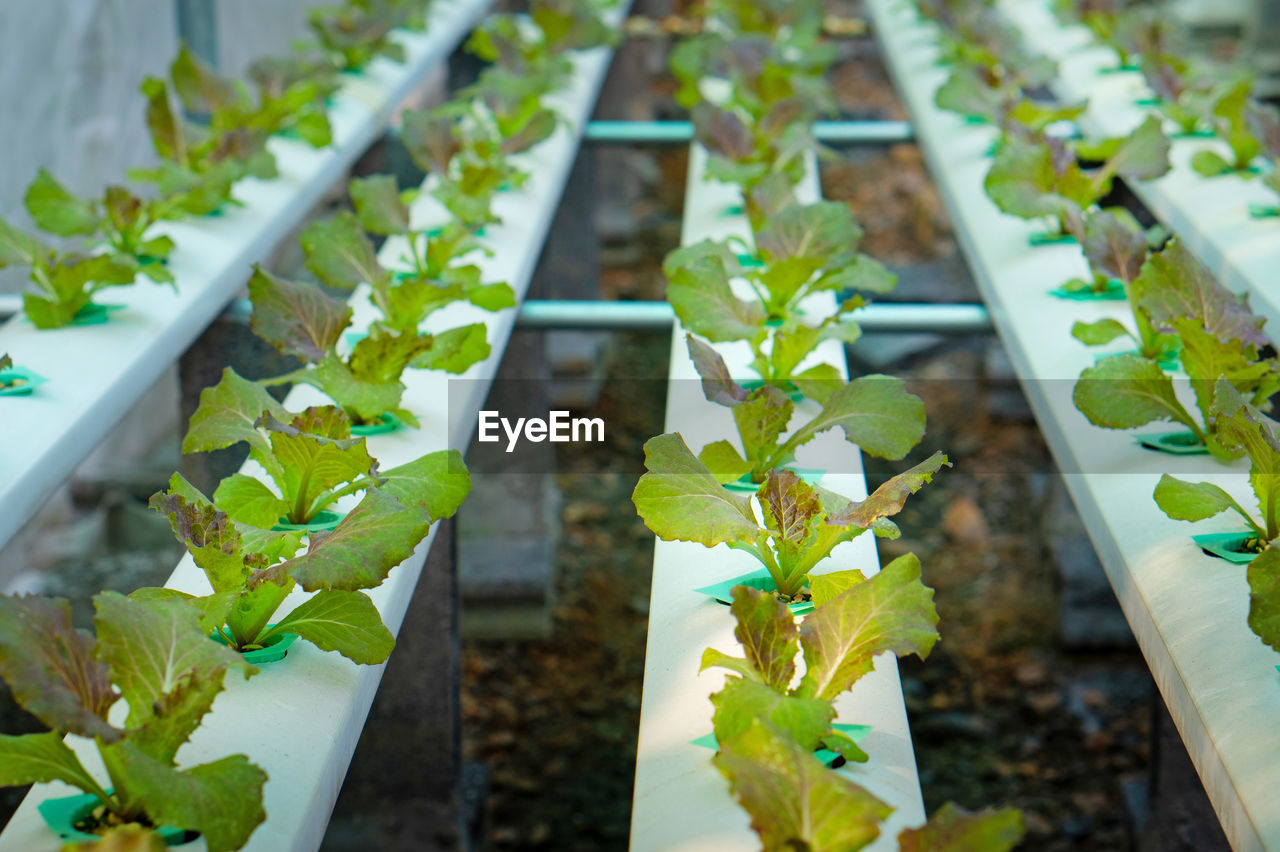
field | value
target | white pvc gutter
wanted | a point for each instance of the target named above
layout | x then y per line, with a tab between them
681	800
300	719
1210	215
97	374
1187	610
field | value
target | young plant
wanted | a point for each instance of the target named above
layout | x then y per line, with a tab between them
1116	247
1229	116
876	412
153	655
65	284
1038	176
854	620
293	93
767	729
1185	90
252	570
357	32
310	457
1219	335
802	250
679	499
1240	426
467	159
121	218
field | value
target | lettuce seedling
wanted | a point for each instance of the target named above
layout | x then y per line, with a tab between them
467	158
1116	247
679	499
121	218
311	457
512	106
355	33
520	50
1219	335
854	620
293	92
1185	89
568	25
876	412
767	729
251	570
154	656
1240	426
1229	116
65	283
1038	176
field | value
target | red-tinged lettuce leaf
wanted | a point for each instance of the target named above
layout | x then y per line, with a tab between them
703	300
175	717
893	611
741	702
340	254
213	608
296	318
379	206
437	482
1264	597
363	396
791	507
202	90
761	420
316	454
768	634
168	130
430	139
891	496
374	537
1125	391
1023	181
222	800
456	350
680	500
951	829
823	232
1175	286
1242	425
717	384
228	414
721	131
52	668
342	621
40	758
209	534
56	211
1115	244
794	800
155	648
876	412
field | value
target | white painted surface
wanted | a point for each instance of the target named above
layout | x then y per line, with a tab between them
682	802
250	29
301	720
97	373
1210	215
1187	610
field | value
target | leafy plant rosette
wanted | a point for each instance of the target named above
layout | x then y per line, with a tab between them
876	412
252	570
121	219
1116	247
1036	176
767	725
679	499
310	457
152	654
1229	115
803	249
1220	337
1242	427
64	283
355	33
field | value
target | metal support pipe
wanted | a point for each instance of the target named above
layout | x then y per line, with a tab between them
837	133
535	314
880	318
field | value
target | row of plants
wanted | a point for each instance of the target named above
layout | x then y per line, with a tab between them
1189	333
754	80
327	519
